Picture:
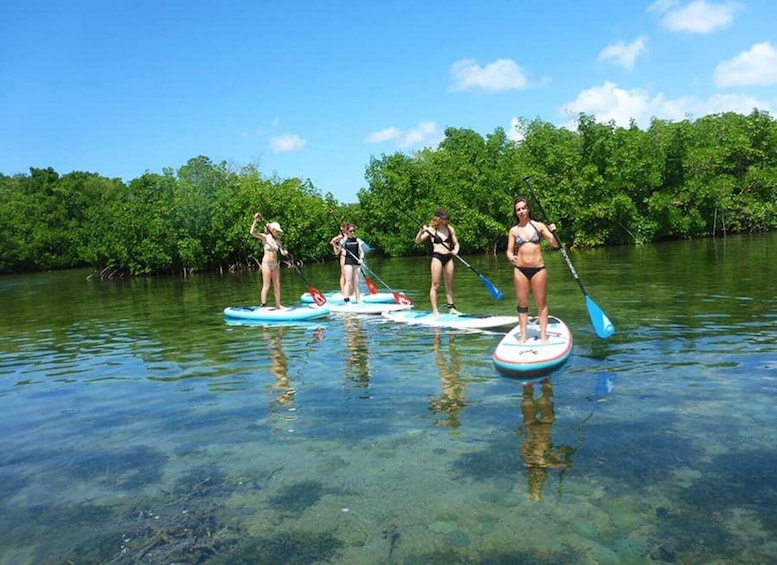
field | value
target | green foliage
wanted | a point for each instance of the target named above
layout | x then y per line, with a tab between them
600	185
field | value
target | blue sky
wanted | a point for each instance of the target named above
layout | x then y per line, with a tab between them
315	89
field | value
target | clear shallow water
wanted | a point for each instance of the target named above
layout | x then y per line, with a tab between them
140	427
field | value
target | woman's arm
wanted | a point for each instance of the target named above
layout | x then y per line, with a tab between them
455	248
547	233
422	235
254	232
511	245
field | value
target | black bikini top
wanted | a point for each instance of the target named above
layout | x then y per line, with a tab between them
439	240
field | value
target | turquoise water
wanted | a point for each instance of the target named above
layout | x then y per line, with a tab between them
139	427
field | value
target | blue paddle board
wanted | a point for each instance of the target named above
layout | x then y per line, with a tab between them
337	298
268	314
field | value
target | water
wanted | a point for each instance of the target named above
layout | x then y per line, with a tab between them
139	427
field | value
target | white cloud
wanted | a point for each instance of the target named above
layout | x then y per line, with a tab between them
425	134
739	103
501	75
517	130
608	103
383	135
287	143
622	54
755	67
698	16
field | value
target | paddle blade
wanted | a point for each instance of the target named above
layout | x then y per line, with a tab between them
401	298
603	327
371	286
495	292
318	298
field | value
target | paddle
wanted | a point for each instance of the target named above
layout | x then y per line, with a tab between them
318	297
495	292
370	285
399	297
602	325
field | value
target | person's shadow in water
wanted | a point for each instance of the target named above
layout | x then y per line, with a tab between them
539	453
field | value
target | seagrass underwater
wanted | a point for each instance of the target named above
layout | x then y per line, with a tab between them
140	427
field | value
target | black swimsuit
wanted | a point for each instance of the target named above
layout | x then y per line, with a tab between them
443	258
350	247
529	272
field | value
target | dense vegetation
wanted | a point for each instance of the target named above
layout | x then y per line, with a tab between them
601	185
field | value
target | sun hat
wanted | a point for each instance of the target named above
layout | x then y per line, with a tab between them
275	226
441	213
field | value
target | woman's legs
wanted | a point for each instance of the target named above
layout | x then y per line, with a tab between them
276	283
448	270
521	283
436	270
355	289
342	274
539	288
266	281
348	271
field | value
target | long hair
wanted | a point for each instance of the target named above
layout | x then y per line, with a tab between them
516	201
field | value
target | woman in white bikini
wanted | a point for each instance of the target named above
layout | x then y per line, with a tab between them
271	268
525	254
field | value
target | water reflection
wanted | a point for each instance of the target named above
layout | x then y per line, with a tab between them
539	453
357	369
451	400
283	390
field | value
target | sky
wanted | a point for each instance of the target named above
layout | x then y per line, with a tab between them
315	90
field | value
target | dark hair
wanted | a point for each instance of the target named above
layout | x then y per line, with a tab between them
516	201
441	213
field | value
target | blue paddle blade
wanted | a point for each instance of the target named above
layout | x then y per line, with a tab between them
603	327
495	292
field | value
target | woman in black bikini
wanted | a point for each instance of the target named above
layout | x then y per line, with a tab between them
525	253
445	245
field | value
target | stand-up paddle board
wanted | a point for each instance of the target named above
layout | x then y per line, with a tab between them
533	357
267	314
461	321
337	298
365	307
